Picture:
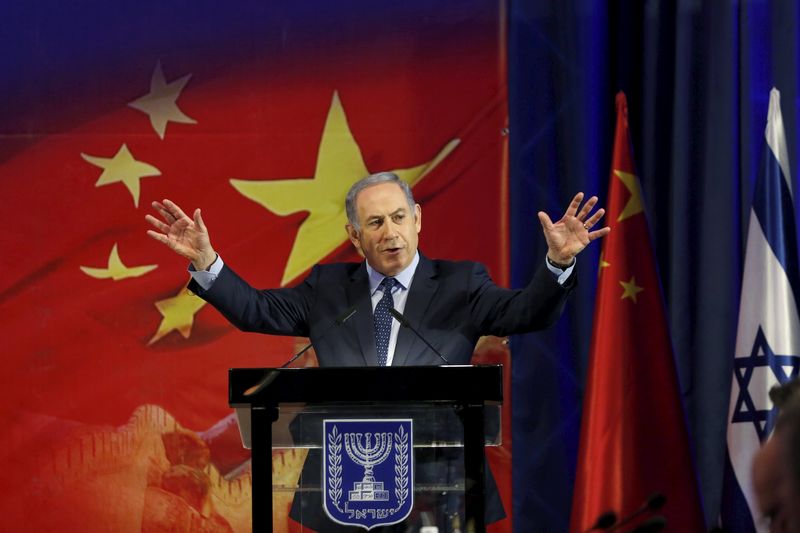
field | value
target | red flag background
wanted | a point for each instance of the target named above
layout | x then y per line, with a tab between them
633	432
114	403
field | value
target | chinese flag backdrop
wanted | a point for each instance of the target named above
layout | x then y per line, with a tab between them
114	396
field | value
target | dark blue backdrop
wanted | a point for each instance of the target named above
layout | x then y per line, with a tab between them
697	76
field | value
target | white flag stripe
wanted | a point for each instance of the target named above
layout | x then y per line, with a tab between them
776	137
767	300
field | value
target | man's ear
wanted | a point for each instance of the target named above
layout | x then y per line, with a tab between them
352	234
418	217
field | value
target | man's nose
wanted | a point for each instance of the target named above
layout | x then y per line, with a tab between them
390	231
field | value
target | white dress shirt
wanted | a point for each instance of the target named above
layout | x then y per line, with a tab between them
399	295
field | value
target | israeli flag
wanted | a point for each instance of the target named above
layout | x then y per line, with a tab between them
768	334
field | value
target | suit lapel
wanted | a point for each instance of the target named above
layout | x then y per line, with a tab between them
423	288
358	295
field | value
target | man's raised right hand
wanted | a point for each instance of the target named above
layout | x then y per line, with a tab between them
186	236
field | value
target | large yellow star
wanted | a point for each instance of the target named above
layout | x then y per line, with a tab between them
160	104
339	165
635	204
630	289
178	313
116	269
122	168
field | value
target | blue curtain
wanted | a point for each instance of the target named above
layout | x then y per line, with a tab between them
697	76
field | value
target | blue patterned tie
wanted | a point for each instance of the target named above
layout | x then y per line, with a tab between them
383	320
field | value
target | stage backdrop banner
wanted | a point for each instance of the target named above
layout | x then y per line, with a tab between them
114	403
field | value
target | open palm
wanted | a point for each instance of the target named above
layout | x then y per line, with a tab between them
571	233
186	236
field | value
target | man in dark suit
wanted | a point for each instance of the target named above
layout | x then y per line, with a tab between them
452	304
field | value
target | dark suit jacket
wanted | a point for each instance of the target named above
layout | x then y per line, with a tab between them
452	304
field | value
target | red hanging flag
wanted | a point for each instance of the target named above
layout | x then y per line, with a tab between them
634	441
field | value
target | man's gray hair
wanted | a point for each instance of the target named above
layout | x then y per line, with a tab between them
369	181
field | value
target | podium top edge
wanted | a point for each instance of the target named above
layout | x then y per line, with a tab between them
446	383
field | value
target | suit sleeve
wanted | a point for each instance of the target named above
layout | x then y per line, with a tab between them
273	311
499	311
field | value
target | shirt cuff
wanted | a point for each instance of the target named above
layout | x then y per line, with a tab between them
206	278
561	275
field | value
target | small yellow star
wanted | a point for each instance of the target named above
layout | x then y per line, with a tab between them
635	204
178	313
122	168
603	264
339	165
160	104
116	269
630	289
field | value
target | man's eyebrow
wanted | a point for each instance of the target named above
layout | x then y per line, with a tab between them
398	211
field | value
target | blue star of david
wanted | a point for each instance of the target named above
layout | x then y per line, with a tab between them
760	356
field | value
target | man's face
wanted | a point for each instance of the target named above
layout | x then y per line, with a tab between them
389	231
775	493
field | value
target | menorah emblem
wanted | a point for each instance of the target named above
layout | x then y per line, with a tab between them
374	457
363	451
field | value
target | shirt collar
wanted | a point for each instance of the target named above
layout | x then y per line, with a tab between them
404	277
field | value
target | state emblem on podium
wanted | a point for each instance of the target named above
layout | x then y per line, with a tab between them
368	471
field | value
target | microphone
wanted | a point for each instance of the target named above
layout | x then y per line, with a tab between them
341	319
604	521
406	324
651	525
653	503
